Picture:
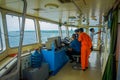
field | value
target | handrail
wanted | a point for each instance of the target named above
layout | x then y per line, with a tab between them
20	43
8	67
7	63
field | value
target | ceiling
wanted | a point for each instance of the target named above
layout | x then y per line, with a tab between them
74	12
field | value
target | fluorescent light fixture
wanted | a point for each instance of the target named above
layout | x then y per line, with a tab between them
51	6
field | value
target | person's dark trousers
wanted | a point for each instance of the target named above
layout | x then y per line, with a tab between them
70	53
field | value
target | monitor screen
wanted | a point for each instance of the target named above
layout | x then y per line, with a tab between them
49	45
50	42
55	40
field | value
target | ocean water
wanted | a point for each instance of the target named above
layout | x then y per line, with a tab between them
30	37
48	34
14	38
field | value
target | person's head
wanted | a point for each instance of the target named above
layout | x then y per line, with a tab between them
73	36
76	31
92	30
81	30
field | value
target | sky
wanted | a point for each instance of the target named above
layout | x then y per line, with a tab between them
13	24
48	26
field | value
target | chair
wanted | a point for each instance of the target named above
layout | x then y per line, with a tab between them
77	65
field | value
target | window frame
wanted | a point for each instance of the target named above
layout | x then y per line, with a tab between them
27	17
35	27
7	28
1	48
2	35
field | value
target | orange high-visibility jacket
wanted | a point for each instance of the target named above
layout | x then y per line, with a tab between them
85	40
86	44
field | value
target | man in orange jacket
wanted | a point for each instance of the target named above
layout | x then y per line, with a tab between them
86	44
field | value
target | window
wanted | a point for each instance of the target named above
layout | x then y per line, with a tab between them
71	30
94	22
30	36
13	26
63	28
13	30
84	30
48	30
2	37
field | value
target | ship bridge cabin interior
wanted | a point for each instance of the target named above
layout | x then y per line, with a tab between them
36	34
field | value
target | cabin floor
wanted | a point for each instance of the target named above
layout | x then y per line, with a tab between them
92	73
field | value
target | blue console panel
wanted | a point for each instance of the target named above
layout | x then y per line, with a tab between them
55	59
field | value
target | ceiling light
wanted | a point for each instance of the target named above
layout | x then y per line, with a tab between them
51	6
